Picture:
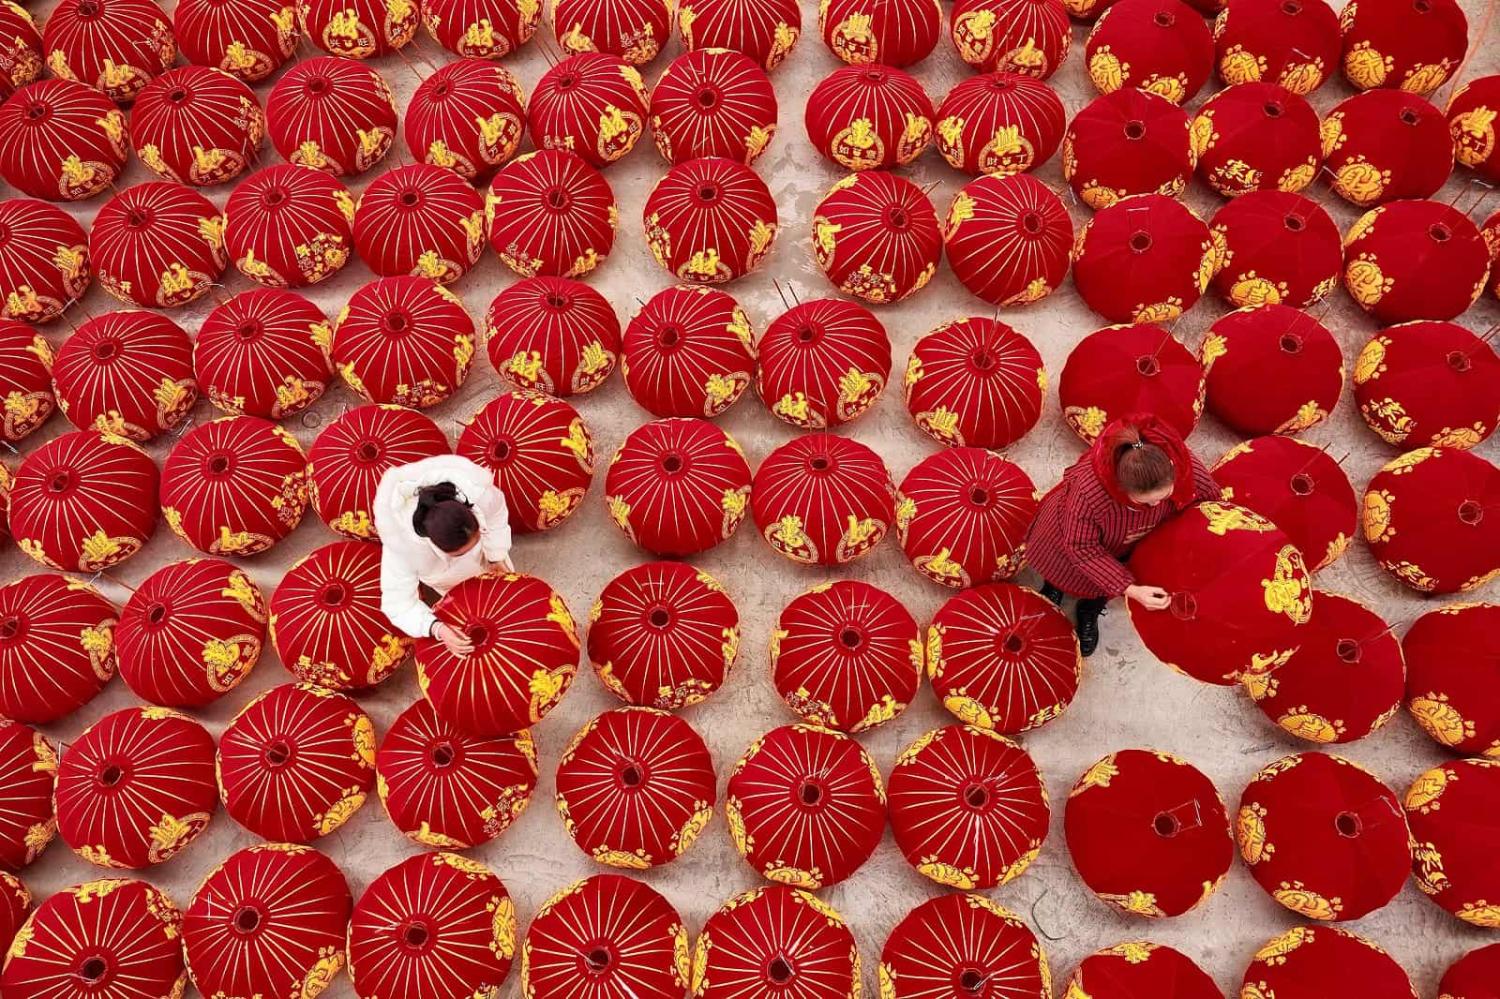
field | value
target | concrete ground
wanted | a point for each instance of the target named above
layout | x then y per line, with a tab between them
1128	699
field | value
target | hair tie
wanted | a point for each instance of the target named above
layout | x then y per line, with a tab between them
1136	444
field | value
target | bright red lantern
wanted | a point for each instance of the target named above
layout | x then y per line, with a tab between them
358	29
634	30
158	245
421	220
635	788
21	53
127	373
764	30
481	29
114	47
1000	122
15	904
968	807
869	117
889	32
876	237
349	456
28	769
592	104
469	116
190	633
975	382
1008	239
1276	248
61	141
84	501
250	39
1139	969
823	500
822	363
689	351
710	220
805	807
44	261
331	114
1031	37
1389	43
1425	519
1271	370
1471	114
25	381
1295	44
326	621
525	654
448	790
677	486
619	931
262	353
551	213
1473	976
552	334
713	102
1454	813
1382	145
1298	487
404	340
540	453
1163	47
1257	137
1119	370
1452	665
768	938
1143	259
1415	260
963	943
288	227
962	515
196	125
136	788
1427	383
1127	142
663	635
57	647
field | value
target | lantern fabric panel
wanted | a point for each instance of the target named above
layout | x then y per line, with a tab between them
116	48
965	939
769	937
975	382
56	647
551	213
764	30
21	52
1135	368
263	353
1387	43
349	456
1160	46
876	237
15	904
403	340
196	125
540	453
1415	259
1428	383
822	363
591	103
289	227
634	30
1471	113
823	500
250	39
44	261
1296	486
481	29
713	102
619	930
61	141
1294	45
962	515
469	116
1001	122
158	245
1271	369
678	486
331	114
28	774
1031	37
27	396
1452	660
553	335
869	118
1424	518
1473	976
883	32
1452	812
358	29
709	221
1308	962
1139	969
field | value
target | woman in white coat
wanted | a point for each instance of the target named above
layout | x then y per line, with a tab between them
441	520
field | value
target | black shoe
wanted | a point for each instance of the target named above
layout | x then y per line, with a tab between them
1087	616
1052	593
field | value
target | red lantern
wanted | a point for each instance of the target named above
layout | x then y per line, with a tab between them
823	500
286	226
481	29
158	245
846	655
1425	519
869	117
1143	259
358	29
1008	239
525	655
196	125
591	104
1000	122
634	30
635	787
678	486
1240	593
469	116
619	932
25	381
771	938
348	458
136	788
266	921
190	633
540	453
1296	486
889	32
962	516
115	47
296	763
235	486
552	334
967	944
689	351
262	354
1257	137
764	30
250	39
56	647
1386	144
1415	260
710	220
61	141
1452	664
83	502
1323	836
126	373
331	114
1294	44
551	213
1276	248
404	340
876	237
1031	37
21	54
1160	46
1388	43
663	635
713	102
447	790
1473	976
421	220
1127	142
15	903
28	769
44	261
1309	962
1139	969
1120	370
1427	383
975	382
1271	370
822	363
1471	114
805	807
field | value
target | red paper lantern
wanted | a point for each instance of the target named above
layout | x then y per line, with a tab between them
83	502
481	29
190	633
677	487
1415	260
540	453
1008	239
469	116
689	351
889	32
326	621
1119	370
552	334
235	486
614	932
964	944
551	213
126	373
250	39
592	104
634	30
635	788
1323	836
158	245
805	807
358	29
404	340
15	903
1294	44
61	141
296	763
1031	37
136	788
286	226
1309	962
21	54
348	458
846	655
270	920
710	220
1240	593
196	125
1160	46
822	363
28	770
1427	383
876	237
44	261
1382	145
27	398
869	117
1452	663
774	938
1000	122
1471	114
1296	486
1425	520
1271	369
1139	969
962	516
57	647
114	937
525	654
421	220
1143	259
713	102
1473	976
1388	43
975	382
823	500
764	30
448	790
331	114
1127	142
262	353
1276	248
1257	137
663	635
114	47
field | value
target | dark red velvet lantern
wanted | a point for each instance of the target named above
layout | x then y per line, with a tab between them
421	220
1257	137
57	647
28	769
21	53
1452	665
772	939
1297	486
1292	44
1031	37
286	226
1415	260
114	47
44	261
677	486
349	456
551	213
634	30
403	340
869	117
469	116
764	30
1428	523
592	104
1271	370
962	516
331	114
126	373
1386	144
1127	142
713	102
15	904
1001	122
1141	970
196	125
158	245
1163	47
689	351
965	944
1391	43
1309	962
607	929
1276	248
1454	813
975	382
25	381
540	453
1119	370
250	39
889	32
710	220
1008	239
822	363
1471	115
876	237
481	29
1476	975
823	500
61	141
1143	259
263	353
552	334
358	29
1427	383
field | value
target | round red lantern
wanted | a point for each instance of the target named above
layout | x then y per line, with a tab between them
262	353
968	807
1452	810
551	213
1000	122
1293	44
404	340
634	30
481	29
1415	260
1256	137
1119	370
677	486
83	502
331	114
963	944
21	53
1271	369
115	47
1276	248
448	790
1452	663
1323	836
1143	259
635	788
663	635
348	458
15	903
469	116
1296	486
1240	593
876	237
326	621
358	29
592	104
286	226
1425	520
270	920
975	382
962	516
196	125
126	373
44	261
540	453
1415	47
1127	142
61	141
1031	37
823	500
822	363
869	117
713	102
710	220
190	633
421	220
552	334
1427	383
525	654
764	30
28	769
1140	969
57	647
1008	239
689	351
235	486
1163	47
250	39
609	930
774	938
1386	144
805	807
890	32
158	245
1473	976
1471	114
25	381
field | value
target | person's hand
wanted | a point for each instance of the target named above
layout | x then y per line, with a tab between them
453	640
1149	597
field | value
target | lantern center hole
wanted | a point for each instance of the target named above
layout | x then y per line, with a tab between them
566	81
249	329
971	981
809	793
1409	116
111	775
850	638
368	451
177	95
1272	109
1013	643
779	971
1291	7
395	322
1135	130
976	796
1031	222
218	464
659	617
557	198
415	935
558	300
333	594
1421	6
92	970
982	358
672	463
1140	242
1458	360
1166	825
88	8
1290	343
499	450
668	336
897	217
1294	223
157	613
1147	365
874	75
1470	512
410	198
632	776
1347	649
105	349
708	192
246	919
1001	81
275	196
1164	19
806	334
979	496
819	464
1439	232
441	89
37	111
317	85
597	959
443	754
1302	484
1348	824
279	753
478	635
60	482
708	98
